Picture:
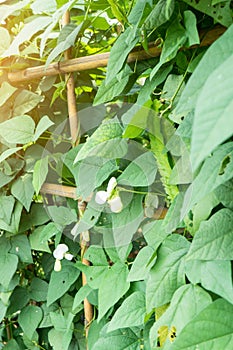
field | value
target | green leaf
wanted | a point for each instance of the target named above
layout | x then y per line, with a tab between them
216	170
224	194
43	6
105	142
8	266
210	332
22	189
20	246
214	276
5	41
61	215
13	227
3	309
8	153
120	50
44	124
88	220
140	172
175	38
109	91
190	23
19	298
7	10
7	205
141	265
29	319
82	293
25	101
103	278
29	29
66	39
216	54
131	313
12	345
6	90
212	115
56	339
18	129
41	169
151	84
220	12
38	289
61	281
37	242
91	173
160	14
117	276
213	240
190	298
167	275
124	339
126	223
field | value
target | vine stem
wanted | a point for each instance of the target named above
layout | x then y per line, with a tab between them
75	131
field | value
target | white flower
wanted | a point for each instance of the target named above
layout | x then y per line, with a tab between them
60	253
110	196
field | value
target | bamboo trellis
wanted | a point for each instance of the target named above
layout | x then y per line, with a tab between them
67	67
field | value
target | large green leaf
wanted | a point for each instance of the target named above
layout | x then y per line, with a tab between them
212	114
7	205
7	10
217	53
167	275
29	29
44	124
67	39
124	339
103	277
6	91
140	172
224	194
160	14
18	129
107	92
22	189
213	240
25	101
38	289
126	223
216	170
20	246
61	281
13	227
40	173
8	266
213	275
186	303
141	265
43	6
220	11
119	52
213	329
131	313
5	40
105	142
175	38
8	153
29	319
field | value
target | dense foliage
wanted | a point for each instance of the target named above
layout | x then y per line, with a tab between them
155	139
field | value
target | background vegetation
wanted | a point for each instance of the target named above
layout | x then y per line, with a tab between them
163	128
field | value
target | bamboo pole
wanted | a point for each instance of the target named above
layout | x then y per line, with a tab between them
74	130
101	60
